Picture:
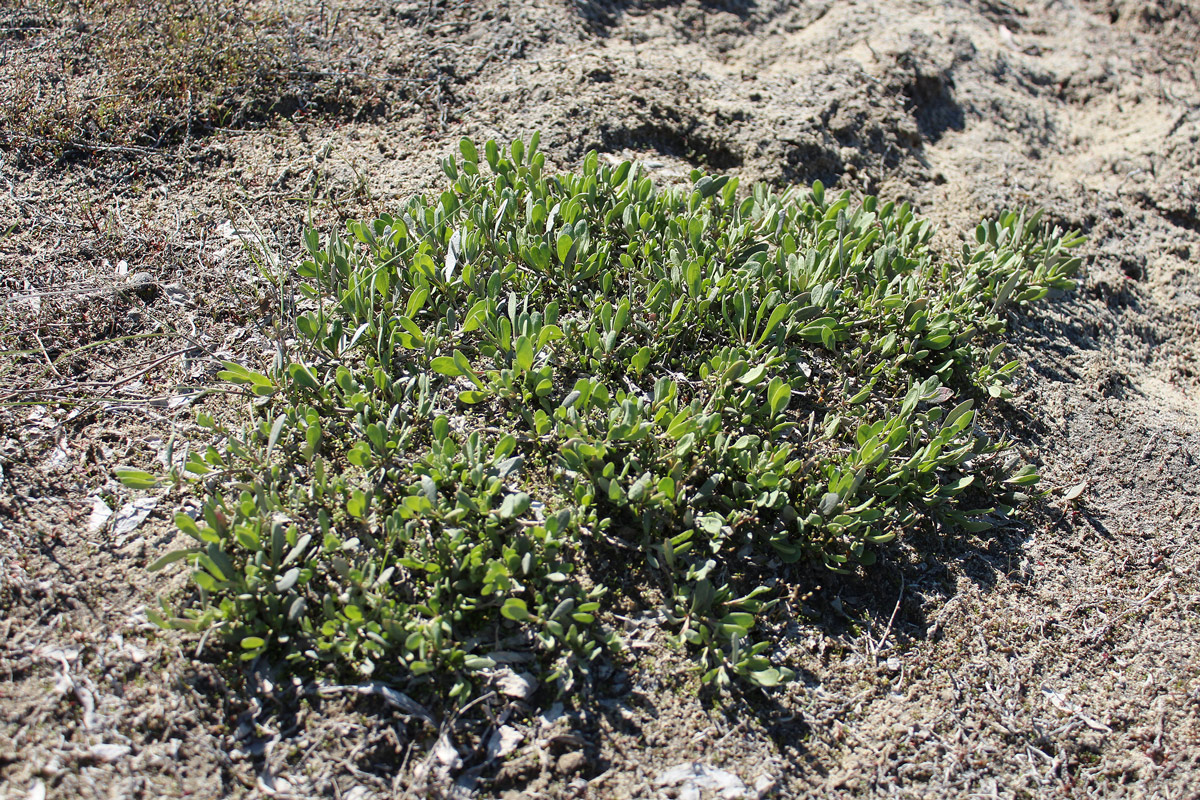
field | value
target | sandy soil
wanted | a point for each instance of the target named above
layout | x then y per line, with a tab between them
1056	658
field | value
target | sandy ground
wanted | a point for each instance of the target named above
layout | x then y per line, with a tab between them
1056	658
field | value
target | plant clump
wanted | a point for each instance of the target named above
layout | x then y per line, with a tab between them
507	403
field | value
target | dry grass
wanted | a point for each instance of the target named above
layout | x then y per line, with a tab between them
126	77
120	75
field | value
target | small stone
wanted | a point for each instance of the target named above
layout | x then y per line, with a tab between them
109	753
698	775
502	742
570	763
519	685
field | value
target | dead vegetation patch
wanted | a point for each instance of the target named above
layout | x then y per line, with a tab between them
121	77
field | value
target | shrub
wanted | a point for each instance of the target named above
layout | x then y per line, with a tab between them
512	401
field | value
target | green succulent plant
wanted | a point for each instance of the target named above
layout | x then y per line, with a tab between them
506	394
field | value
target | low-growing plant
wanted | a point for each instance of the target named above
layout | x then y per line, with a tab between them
506	401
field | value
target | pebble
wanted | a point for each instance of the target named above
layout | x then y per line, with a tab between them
570	763
109	753
518	685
